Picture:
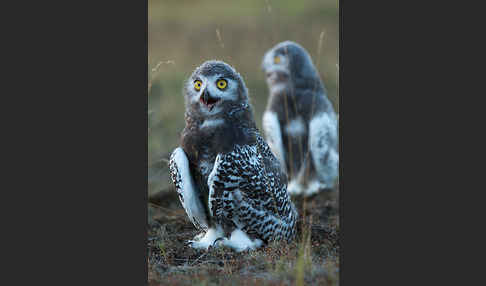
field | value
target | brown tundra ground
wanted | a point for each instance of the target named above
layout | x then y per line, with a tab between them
309	260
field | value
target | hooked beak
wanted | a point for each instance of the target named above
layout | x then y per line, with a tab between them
208	100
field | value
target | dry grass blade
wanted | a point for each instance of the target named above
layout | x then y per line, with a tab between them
269	7
155	71
220	39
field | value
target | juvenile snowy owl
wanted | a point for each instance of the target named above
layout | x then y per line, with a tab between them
300	124
229	182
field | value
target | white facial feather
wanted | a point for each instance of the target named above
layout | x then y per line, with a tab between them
209	83
210	123
270	65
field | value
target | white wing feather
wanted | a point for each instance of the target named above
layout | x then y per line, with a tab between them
188	192
273	135
323	147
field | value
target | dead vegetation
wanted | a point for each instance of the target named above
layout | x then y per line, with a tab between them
313	258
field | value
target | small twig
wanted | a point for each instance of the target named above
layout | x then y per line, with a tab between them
205	261
204	254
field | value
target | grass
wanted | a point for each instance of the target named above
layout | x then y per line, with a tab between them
182	35
313	258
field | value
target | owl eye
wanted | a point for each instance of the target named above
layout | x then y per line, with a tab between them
276	59
197	85
221	84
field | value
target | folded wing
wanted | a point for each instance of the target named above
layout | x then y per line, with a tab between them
247	187
186	189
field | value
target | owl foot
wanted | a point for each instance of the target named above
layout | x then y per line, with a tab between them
219	241
205	240
239	241
315	187
294	188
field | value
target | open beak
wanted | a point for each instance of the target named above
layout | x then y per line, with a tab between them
208	100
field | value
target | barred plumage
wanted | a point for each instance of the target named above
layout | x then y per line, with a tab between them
246	186
229	182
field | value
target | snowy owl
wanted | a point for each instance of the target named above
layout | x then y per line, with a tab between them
229	182
299	123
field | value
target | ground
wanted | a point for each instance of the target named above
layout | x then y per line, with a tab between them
182	34
304	261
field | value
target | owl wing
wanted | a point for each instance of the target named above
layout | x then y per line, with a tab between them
273	134
323	146
186	189
247	187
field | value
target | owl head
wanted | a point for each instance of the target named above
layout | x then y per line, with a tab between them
287	65
215	88
218	113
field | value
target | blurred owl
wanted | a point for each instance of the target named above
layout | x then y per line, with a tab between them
228	181
299	123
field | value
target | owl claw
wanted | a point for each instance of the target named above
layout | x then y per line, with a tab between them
217	240
188	243
197	244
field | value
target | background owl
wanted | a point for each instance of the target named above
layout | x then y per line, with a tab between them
228	181
300	124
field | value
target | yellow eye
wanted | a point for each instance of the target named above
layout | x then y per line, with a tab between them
221	83
197	85
276	59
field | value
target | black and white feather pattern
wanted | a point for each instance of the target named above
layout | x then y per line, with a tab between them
247	188
230	184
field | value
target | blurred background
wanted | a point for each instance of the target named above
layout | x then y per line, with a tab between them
182	34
